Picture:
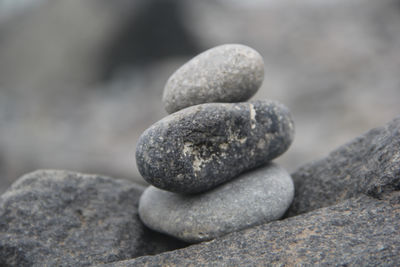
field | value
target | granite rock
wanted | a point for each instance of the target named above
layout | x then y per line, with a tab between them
226	73
369	164
361	231
253	198
200	147
59	218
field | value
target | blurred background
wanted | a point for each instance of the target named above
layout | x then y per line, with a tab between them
81	80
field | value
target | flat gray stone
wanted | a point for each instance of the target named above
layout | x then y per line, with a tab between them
361	231
369	164
226	73
59	218
200	147
253	198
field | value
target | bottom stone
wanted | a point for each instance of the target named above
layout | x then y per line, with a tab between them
253	198
361	231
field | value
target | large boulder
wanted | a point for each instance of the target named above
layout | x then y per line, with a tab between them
361	231
59	218
349	206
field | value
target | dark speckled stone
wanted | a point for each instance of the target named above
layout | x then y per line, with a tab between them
200	147
60	218
361	231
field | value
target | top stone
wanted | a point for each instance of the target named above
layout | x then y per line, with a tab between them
226	73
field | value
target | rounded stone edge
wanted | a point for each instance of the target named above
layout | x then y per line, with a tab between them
282	112
185	235
260	72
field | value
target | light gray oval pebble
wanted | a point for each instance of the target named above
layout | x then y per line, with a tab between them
200	147
226	73
253	198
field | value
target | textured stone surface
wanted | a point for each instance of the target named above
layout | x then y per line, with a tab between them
369	164
58	218
253	198
226	73
361	231
197	148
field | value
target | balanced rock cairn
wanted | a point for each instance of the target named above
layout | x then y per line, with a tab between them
209	161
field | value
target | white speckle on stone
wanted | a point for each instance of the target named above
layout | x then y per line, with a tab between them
198	160
187	148
233	138
252	116
242	140
223	146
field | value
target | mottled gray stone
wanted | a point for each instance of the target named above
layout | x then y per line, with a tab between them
226	73
361	231
368	164
59	218
197	148
253	198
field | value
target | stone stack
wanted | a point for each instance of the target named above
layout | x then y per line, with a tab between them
209	161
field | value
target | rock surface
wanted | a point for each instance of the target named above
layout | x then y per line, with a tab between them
59	218
197	148
226	73
361	231
369	164
251	199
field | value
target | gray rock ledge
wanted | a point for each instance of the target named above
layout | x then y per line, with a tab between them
369	164
361	231
60	218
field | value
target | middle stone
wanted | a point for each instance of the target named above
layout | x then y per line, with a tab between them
200	147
